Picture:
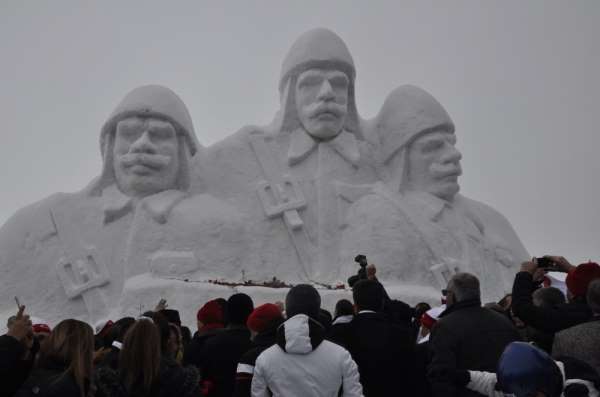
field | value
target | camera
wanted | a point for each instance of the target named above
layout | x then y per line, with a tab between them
544	262
361	260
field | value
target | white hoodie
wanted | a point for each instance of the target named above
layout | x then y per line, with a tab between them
303	364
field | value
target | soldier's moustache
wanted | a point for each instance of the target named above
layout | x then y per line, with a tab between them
149	160
317	109
440	171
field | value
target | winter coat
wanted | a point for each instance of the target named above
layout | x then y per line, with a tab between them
581	342
546	319
383	352
303	364
51	381
467	336
245	368
173	380
13	370
192	353
218	359
485	382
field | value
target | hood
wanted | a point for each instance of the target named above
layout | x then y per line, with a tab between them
322	49
300	335
148	101
407	112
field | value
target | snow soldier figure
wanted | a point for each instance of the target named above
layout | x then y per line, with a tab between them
307	165
416	226
70	254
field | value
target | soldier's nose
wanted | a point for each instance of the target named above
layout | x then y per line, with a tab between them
325	91
452	155
143	144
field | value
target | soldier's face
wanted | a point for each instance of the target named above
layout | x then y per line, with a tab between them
434	164
322	101
145	156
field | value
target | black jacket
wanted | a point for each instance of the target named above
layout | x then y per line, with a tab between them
243	379
218	359
13	370
384	353
466	336
174	380
193	351
49	381
545	319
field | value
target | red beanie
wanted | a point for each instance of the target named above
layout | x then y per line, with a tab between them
579	279
264	317
210	313
41	328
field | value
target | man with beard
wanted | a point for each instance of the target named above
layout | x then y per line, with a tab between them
303	164
415	226
137	216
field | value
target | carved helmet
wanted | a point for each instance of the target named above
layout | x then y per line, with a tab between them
408	112
149	101
322	49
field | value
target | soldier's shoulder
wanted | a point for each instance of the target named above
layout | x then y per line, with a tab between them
36	210
482	209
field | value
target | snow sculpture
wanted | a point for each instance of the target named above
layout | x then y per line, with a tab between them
296	200
70	254
415	225
293	177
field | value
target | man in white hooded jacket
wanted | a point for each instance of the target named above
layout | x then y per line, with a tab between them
302	363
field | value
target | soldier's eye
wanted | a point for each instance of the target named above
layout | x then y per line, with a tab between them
310	81
432	146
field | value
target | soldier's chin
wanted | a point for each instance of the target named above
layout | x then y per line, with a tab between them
324	130
447	190
144	185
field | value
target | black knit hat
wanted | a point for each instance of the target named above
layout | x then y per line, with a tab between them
239	307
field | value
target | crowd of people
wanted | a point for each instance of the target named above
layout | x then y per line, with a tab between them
534	342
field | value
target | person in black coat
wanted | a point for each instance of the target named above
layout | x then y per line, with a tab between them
64	368
467	336
211	320
115	338
383	351
146	367
218	357
553	319
18	349
263	323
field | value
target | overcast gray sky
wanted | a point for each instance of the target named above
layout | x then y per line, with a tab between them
519	78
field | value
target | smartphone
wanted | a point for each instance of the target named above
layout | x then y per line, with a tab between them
544	262
18	302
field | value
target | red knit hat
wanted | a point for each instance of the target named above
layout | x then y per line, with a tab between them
210	313
37	328
579	279
264	317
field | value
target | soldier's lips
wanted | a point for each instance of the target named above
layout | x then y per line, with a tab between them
326	116
144	163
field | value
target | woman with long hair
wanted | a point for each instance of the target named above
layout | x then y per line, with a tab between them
65	363
145	366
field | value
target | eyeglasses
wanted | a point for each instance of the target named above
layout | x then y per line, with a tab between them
445	292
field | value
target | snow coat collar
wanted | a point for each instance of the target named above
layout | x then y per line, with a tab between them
302	144
300	335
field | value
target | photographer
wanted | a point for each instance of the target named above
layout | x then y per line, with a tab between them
18	348
553	319
397	311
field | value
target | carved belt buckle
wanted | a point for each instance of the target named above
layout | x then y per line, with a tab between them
284	196
82	274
